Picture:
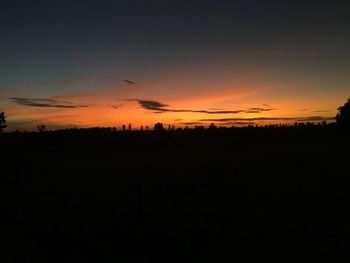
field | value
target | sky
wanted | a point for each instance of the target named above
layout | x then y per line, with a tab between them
180	62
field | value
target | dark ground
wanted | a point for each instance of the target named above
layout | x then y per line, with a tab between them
198	196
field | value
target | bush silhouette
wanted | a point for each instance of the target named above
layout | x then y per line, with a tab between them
158	126
2	121
41	128
343	115
212	126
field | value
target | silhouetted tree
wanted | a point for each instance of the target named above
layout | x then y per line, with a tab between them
199	128
343	115
2	121
123	127
41	128
129	127
212	126
158	126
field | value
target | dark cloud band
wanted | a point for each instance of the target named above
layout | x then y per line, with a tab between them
44	103
159	107
309	118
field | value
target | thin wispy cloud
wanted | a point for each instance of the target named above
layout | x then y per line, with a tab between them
316	118
309	118
153	105
320	111
243	123
114	106
129	82
240	123
257	110
192	123
158	107
45	103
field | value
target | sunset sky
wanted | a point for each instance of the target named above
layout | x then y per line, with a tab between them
64	63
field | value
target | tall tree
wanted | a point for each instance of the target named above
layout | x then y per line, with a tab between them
343	115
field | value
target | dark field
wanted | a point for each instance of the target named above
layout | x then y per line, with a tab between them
198	196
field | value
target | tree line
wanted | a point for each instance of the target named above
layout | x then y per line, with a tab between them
342	120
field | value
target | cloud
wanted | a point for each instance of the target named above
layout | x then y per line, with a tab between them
159	107
152	105
320	111
226	123
243	123
246	119
257	110
114	106
309	118
316	118
44	103
192	123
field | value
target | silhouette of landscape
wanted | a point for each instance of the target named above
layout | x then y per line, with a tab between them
204	194
171	131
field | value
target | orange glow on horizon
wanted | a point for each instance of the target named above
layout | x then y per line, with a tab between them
115	105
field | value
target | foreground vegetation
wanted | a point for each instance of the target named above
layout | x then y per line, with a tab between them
192	195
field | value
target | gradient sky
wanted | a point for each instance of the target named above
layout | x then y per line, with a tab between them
63	63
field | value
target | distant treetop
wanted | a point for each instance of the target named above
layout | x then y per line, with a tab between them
41	128
159	126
